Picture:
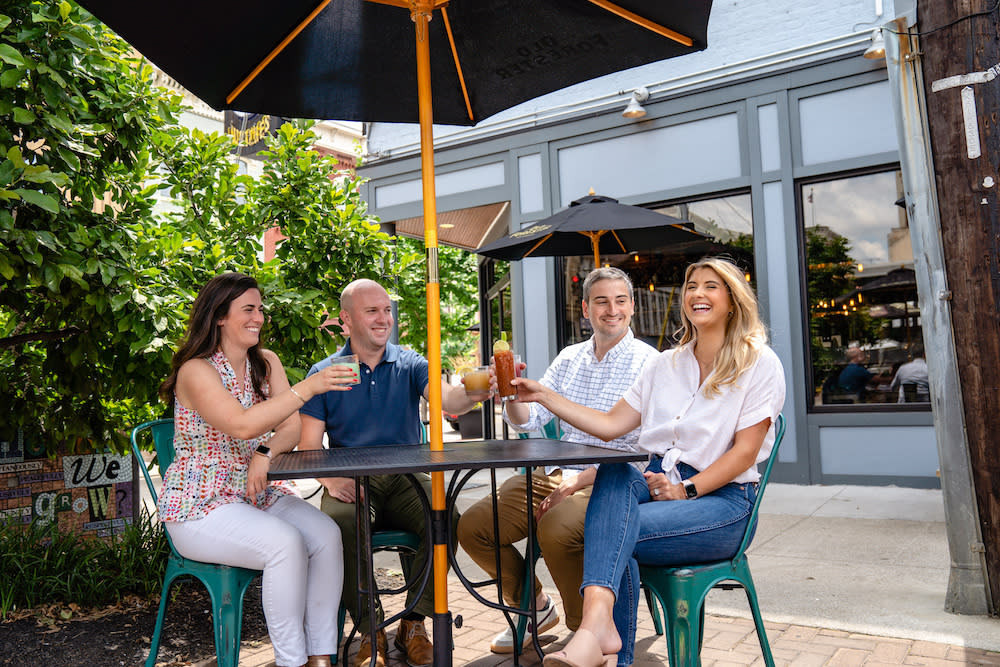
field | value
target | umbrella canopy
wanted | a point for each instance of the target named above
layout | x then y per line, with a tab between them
354	59
898	285
598	225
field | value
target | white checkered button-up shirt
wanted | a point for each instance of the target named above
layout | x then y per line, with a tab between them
576	374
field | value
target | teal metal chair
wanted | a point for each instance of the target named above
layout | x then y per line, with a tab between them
682	590
226	585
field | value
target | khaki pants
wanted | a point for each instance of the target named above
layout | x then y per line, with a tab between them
560	536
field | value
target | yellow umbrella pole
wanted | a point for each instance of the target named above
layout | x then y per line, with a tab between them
421	15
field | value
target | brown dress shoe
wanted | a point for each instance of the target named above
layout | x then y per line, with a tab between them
364	656
412	640
319	661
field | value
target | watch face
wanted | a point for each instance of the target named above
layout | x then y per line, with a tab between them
689	488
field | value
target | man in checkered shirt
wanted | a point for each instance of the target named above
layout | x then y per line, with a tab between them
595	373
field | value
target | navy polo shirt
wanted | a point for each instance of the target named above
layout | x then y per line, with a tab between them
382	410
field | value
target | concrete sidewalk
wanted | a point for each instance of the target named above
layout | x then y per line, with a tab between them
846	575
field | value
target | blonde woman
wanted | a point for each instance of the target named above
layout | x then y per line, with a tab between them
706	409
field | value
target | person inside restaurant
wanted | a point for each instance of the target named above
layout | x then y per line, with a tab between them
911	379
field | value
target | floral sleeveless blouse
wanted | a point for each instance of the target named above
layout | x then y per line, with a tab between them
210	468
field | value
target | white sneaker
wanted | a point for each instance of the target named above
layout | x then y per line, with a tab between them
548	617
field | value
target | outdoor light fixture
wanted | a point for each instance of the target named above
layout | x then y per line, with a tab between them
877	49
634	108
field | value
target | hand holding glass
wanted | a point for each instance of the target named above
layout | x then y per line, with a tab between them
351	361
477	380
503	361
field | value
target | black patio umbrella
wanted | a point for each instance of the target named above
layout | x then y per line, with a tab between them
355	59
372	60
598	225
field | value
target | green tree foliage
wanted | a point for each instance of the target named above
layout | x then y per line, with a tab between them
332	241
831	281
76	113
94	298
459	299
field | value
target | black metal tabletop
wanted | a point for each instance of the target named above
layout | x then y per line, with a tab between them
466	455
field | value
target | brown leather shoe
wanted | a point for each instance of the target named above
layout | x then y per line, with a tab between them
412	640
318	661
364	656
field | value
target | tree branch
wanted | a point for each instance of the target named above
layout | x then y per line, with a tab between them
38	336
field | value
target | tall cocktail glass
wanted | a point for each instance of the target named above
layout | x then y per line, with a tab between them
503	360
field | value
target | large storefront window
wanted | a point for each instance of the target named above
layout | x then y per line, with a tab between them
657	273
865	338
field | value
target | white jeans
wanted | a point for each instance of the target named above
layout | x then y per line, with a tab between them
300	551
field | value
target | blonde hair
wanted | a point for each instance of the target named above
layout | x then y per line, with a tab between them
745	333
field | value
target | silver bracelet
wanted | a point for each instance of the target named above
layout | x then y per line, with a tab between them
292	389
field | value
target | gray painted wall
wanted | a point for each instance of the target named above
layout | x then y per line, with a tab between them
758	134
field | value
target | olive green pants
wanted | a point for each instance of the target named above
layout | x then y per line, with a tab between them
395	505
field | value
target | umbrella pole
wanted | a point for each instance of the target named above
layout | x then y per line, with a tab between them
421	15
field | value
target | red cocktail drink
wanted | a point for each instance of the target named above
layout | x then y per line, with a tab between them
504	362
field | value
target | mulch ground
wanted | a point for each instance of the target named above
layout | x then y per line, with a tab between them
120	635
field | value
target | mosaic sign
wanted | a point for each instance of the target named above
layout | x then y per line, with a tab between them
93	495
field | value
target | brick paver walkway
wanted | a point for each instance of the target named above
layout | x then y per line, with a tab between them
729	642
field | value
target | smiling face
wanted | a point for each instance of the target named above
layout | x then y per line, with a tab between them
707	303
242	323
368	314
609	308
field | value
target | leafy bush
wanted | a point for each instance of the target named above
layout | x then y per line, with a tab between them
44	566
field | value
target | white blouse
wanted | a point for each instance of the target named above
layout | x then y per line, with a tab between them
680	424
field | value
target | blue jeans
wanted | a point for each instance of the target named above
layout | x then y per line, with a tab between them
624	528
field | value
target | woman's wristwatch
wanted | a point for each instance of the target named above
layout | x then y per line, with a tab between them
689	489
264	450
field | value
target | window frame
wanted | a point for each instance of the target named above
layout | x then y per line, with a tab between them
805	313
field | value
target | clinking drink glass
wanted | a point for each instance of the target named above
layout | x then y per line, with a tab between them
503	359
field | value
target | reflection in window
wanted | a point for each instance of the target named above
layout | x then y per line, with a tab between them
657	273
861	289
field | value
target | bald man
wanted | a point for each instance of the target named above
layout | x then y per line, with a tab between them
382	410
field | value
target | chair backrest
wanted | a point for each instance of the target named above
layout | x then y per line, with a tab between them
779	432
551	430
162	431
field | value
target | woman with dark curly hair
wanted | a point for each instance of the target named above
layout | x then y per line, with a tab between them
233	409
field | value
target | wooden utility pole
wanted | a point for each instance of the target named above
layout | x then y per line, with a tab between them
962	113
